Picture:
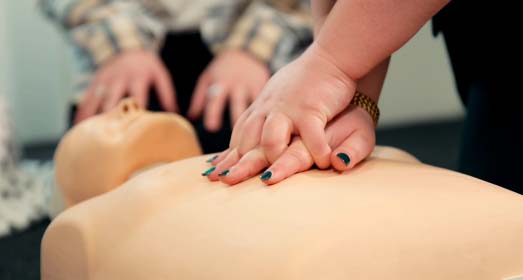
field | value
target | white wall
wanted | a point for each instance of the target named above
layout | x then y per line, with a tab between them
35	73
420	85
38	72
4	58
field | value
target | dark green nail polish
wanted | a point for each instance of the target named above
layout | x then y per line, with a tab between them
224	173
344	157
213	158
208	171
266	175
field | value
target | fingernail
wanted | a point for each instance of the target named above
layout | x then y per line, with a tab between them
266	175
224	173
213	158
344	157
208	171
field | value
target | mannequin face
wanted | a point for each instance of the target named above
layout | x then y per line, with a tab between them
101	153
114	126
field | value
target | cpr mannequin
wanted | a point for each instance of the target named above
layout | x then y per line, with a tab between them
390	218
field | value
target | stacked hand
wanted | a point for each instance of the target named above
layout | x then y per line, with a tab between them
350	135
301	117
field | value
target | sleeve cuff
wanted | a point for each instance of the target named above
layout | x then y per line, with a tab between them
272	36
103	40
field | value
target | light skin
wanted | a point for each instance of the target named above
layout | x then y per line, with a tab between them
240	78
133	73
351	133
350	136
303	97
391	218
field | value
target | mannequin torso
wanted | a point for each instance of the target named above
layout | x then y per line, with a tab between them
385	220
389	218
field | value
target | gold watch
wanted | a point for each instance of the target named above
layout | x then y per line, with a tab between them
367	104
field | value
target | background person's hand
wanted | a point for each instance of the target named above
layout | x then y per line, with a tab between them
131	73
233	77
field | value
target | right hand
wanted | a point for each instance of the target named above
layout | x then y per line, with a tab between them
131	73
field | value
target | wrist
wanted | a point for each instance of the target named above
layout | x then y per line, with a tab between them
243	59
323	58
256	54
369	93
123	54
246	55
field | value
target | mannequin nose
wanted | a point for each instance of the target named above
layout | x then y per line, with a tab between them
128	106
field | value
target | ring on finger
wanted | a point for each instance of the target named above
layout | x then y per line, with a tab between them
214	90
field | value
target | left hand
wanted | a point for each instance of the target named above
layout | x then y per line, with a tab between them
233	76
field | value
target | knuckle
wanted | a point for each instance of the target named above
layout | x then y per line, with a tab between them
300	157
271	144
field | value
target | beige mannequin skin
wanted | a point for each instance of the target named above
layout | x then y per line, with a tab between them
389	218
127	139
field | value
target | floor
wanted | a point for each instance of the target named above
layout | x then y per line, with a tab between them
435	143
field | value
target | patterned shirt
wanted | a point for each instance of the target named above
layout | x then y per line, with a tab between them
274	31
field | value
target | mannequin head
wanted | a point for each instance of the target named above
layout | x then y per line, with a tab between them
105	150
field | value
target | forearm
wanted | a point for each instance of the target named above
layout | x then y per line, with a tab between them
320	10
372	83
359	34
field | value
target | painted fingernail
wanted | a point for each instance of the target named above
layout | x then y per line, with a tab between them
266	175
213	158
344	157
224	173
208	171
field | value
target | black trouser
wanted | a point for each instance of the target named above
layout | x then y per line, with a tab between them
492	140
186	56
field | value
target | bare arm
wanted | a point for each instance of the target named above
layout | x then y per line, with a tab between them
372	83
359	34
320	11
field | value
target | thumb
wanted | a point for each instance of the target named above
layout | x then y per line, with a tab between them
355	148
312	132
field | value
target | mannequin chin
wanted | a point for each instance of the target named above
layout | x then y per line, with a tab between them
389	218
102	152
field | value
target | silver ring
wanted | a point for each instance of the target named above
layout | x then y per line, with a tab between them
213	90
100	91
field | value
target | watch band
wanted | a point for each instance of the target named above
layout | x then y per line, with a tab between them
363	101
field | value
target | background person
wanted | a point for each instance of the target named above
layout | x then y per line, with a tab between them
192	57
